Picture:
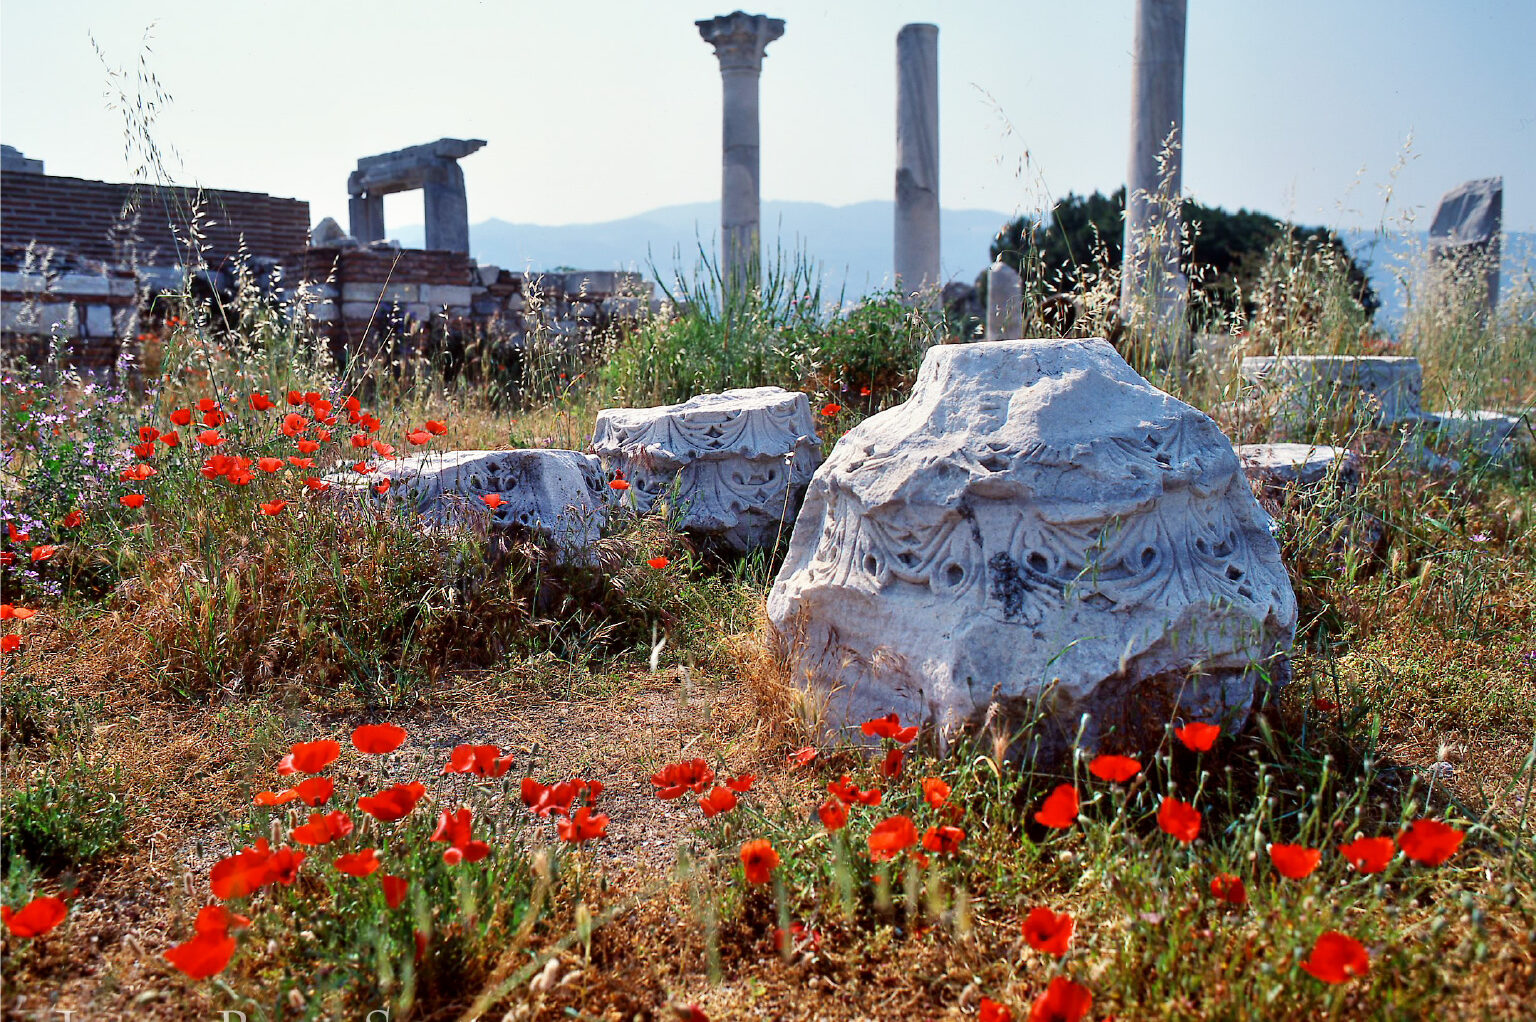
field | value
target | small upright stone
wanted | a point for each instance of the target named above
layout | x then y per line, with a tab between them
741	460
1005	303
1465	237
1492	435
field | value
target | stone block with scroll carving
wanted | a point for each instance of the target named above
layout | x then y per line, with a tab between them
1039	528
740	460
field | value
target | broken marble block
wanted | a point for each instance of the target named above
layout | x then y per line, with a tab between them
559	495
1493	435
1376	390
1038	532
1274	467
739	460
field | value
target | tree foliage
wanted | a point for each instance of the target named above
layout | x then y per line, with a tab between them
1225	253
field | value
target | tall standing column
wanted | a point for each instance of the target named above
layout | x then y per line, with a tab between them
1150	251
916	231
739	40
365	216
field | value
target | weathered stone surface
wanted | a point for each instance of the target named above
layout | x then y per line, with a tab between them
1375	390
329	232
1491	434
1277	466
741	459
433	168
557	494
1037	526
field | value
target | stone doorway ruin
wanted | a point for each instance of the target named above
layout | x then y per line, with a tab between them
433	168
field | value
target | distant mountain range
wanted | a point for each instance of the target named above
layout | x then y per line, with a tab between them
851	244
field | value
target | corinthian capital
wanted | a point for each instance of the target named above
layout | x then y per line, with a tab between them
740	38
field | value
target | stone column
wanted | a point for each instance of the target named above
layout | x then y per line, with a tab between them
365	217
916	231
1150	261
447	209
739	40
1005	303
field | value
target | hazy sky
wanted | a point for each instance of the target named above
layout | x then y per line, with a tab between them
606	108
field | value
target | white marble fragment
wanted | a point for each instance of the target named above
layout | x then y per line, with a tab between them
1275	466
739	459
1378	390
1494	435
1039	527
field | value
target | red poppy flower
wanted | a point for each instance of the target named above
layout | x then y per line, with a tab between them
370	423
214	418
204	955
1115	769
301	462
314	791
9	643
7	557
358	864
362	468
42	553
1369	854
864	391
1229	888
310	757
719	800
207	404
1060	810
137	472
295	398
834	814
217	465
1179	819
455	828
147	434
493	500
283	867
134	500
989	1010
741	783
830	409
36	917
1430	842
16	537
383	449
1198	736
434	427
1048	932
759	860
1063	1001
943	840
74	519
274	507
618	483
236	876
275	798
890	837
891	766
1294	861
480	760
240	477
317	484
270	464
935	792
419	437
218	919
1325	705
394	889
323	828
353	405
800	757
890	726
182	417
395	803
171	439
582	826
1336	957
378	739
261	402
675	778
8	613
323	435
659	563
210	438
360	440
846	791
